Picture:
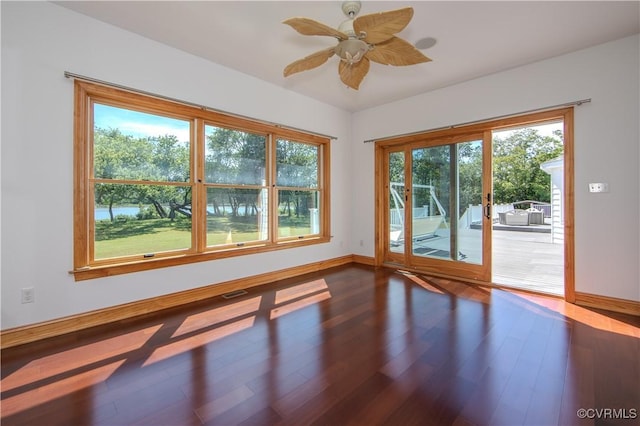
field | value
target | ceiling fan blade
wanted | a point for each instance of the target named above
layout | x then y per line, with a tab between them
353	74
380	27
396	51
312	61
306	26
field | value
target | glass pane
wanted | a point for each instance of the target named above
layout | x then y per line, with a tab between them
236	216
447	190
396	202
430	194
298	213
297	164
141	219
234	157
470	205
131	145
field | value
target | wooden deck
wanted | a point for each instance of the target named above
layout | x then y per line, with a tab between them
528	260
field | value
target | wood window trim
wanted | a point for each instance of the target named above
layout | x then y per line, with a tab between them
85	268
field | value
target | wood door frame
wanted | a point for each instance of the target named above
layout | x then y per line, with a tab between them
564	114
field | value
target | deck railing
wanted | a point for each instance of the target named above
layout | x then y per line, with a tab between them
396	216
473	214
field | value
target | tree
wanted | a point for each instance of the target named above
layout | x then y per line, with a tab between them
169	162
234	157
516	163
116	156
297	166
153	159
469	175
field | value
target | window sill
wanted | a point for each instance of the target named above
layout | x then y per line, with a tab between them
101	271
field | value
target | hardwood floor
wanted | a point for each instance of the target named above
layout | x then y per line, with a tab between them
348	346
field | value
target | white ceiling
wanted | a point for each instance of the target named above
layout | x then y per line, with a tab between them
474	38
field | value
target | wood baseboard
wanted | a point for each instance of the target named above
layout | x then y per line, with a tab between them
33	332
364	260
624	306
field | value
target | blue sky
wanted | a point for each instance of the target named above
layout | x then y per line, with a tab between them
139	124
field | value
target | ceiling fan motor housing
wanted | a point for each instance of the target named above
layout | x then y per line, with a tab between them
346	27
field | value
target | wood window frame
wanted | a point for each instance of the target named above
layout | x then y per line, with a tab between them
85	267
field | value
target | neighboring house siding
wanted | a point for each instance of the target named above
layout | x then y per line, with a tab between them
555	168
557	218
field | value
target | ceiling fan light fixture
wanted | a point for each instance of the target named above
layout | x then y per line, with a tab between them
351	50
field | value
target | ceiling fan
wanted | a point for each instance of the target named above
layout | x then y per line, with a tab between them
360	40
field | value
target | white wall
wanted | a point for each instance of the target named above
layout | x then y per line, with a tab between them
42	40
606	149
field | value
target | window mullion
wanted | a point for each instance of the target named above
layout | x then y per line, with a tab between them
272	189
198	193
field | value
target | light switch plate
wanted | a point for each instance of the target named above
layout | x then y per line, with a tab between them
598	187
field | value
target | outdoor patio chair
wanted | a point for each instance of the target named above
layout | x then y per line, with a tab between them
517	217
536	217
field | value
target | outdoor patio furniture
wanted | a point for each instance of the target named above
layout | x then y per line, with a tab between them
517	217
426	226
502	218
536	217
422	227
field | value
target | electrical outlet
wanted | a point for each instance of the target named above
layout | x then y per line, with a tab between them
28	295
598	187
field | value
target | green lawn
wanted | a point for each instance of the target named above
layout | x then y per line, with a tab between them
129	237
164	239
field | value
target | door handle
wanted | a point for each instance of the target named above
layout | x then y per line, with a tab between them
487	208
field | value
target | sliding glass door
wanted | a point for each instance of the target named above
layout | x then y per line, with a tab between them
435	210
434	192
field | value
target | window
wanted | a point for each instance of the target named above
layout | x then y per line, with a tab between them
158	183
297	183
